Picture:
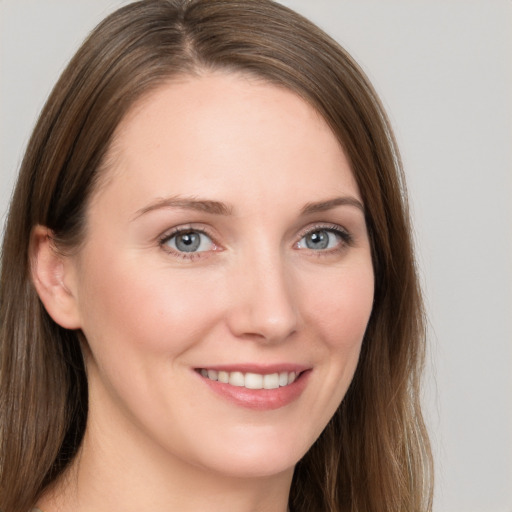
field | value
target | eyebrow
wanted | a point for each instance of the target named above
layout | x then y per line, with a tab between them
186	203
322	206
219	208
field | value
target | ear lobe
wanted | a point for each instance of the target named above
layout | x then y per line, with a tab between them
52	275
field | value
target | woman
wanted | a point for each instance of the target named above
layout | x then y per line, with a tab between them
208	294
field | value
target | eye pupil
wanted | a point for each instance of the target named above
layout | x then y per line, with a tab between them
317	240
188	242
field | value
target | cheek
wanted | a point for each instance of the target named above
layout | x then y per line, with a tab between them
343	308
338	310
145	308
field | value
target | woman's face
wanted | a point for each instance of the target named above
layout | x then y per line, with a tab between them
227	241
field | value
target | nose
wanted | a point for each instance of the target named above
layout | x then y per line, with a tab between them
263	306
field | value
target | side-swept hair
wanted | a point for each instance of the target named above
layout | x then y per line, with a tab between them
374	455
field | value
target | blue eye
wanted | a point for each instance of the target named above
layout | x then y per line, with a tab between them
189	241
321	239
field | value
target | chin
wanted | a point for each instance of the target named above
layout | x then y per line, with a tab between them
256	460
255	468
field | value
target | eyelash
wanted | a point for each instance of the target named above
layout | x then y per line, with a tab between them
344	235
164	239
347	239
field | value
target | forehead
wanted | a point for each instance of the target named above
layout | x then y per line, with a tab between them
195	133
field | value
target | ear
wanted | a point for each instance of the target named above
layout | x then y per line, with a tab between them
53	275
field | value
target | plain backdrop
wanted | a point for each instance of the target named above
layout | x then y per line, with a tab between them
444	71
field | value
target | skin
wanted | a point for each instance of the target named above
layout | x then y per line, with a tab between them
158	438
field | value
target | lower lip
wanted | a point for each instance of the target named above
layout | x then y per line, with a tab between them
259	399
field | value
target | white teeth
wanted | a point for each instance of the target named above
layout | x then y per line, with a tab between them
223	377
251	380
271	381
237	379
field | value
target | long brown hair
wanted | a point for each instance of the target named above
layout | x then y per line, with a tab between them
374	454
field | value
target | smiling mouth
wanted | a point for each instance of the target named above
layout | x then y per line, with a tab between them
250	380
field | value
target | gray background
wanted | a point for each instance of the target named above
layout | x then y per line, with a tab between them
444	71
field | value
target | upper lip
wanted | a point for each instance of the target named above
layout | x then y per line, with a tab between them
263	369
